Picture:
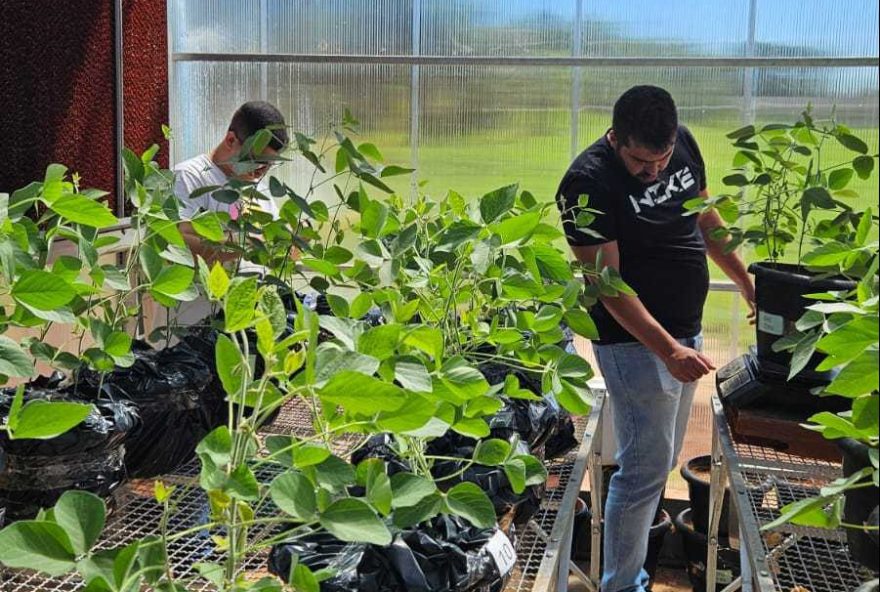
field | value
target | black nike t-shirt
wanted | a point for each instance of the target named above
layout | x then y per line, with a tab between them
662	253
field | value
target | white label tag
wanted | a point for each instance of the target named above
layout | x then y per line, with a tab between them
502	552
724	576
771	323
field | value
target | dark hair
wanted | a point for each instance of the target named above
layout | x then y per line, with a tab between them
256	115
647	115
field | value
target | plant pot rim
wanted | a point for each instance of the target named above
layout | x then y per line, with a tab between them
792	273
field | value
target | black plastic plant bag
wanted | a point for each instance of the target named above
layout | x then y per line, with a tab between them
490	479
89	457
445	555
170	390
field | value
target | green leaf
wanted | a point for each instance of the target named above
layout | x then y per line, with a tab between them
217	446
207	225
858	377
362	394
240	302
242	483
742	133
373	218
840	178
803	351
863	166
735	180
864	227
332	361
294	494
380	342
303	580
471	503
575	399
491	452
573	366
38	545
515	470
81	514
424	509
410	489
338	305
581	323
473	427
394	170
53	182
413	376
334	474
361	305
410	417
352	520
426	339
852	143
13	360
42	290
229	365
218	282
43	420
516	228
379	492
173	280
547	318
497	202
828	254
82	210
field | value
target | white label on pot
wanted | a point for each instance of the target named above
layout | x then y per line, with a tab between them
773	324
502	552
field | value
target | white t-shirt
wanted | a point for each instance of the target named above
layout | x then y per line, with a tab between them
192	174
200	171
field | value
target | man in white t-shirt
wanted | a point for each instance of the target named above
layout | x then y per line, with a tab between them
224	163
216	168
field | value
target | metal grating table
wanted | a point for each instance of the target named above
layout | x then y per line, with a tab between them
763	480
543	545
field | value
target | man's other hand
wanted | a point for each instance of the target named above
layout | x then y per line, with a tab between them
688	365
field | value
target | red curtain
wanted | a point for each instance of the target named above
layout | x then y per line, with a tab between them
57	83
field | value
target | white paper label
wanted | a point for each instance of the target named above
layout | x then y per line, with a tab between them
502	552
771	323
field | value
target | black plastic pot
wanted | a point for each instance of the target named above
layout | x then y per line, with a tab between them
859	504
581	544
779	295
34	473
696	549
696	473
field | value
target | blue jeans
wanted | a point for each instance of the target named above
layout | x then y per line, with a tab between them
650	412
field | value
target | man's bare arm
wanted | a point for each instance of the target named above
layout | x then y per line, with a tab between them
729	262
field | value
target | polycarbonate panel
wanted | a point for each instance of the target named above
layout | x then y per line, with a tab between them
363	27
665	29
850	93
497	27
314	96
207	94
483	127
817	28
709	102
215	26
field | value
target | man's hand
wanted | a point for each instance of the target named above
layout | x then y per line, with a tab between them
687	365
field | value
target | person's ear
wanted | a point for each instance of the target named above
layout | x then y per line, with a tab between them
612	139
230	141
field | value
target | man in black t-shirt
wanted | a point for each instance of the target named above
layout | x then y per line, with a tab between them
639	175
